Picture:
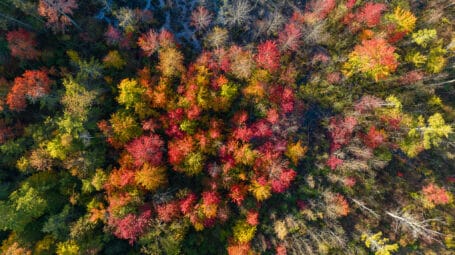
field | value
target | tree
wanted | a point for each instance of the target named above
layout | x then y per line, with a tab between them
290	37
22	44
131	93
418	228
170	62
146	149
403	19
238	13
130	226
77	99
149	42
114	59
57	13
374	58
33	84
378	244
434	195
268	56
201	18
370	14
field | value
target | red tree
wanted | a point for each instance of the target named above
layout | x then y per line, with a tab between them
146	149
22	44
33	84
268	56
374	138
112	35
131	226
370	14
148	42
289	38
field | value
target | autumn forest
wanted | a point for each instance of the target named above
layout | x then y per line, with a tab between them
236	127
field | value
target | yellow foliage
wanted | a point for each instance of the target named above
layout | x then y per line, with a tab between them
296	152
170	61
67	248
114	59
243	232
130	92
245	155
254	89
151	177
378	244
404	19
281	230
260	192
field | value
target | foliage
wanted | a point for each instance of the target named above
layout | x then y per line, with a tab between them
375	58
226	127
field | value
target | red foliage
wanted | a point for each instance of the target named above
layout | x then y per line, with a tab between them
33	84
333	162
370	14
350	3
238	193
281	250
168	211
368	103
148	42
334	77
166	38
412	77
22	44
435	194
268	56
341	131
283	97
131	226
290	37
146	149
320	8
374	138
179	149
112	35
210	198
272	116
349	182
281	184
187	204
56	12
5	132
252	218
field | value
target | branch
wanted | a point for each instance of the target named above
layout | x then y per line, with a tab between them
362	206
418	228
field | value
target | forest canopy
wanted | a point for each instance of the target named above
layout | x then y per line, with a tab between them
233	127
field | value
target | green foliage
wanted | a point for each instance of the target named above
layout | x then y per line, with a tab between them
24	205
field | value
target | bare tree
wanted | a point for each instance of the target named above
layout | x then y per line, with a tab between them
416	225
237	14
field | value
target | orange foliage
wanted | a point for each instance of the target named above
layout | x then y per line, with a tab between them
33	84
